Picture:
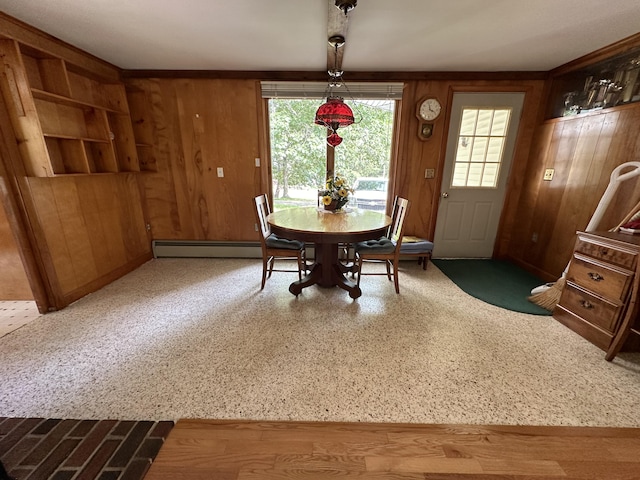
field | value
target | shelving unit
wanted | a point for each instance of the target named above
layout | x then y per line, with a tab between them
604	84
70	121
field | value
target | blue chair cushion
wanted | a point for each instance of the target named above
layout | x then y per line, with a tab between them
381	245
273	241
423	246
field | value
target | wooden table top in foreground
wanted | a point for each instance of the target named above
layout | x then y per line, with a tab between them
229	450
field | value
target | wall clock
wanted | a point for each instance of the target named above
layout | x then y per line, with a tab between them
427	111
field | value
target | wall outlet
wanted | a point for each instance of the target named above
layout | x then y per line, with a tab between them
220	172
548	174
430	173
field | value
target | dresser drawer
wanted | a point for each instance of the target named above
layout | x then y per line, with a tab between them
606	253
604	280
595	310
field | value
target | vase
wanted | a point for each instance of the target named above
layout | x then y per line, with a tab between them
332	206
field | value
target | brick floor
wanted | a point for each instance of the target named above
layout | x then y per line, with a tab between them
57	449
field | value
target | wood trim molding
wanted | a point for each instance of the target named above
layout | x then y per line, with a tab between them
623	46
322	76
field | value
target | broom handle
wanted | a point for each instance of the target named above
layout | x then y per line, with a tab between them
633	211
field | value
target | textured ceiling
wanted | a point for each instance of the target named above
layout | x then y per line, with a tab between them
383	35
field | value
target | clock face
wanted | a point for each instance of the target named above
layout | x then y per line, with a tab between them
429	109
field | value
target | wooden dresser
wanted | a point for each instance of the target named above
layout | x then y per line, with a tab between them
599	298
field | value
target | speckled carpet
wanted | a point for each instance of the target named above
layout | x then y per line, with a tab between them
196	338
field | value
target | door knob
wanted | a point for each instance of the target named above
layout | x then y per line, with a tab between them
445	195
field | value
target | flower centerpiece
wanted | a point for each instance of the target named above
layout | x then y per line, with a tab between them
335	194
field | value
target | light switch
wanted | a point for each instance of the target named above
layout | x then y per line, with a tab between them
257	162
548	174
220	172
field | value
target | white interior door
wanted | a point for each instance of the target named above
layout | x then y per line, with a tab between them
480	147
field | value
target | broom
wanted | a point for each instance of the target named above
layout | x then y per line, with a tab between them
548	296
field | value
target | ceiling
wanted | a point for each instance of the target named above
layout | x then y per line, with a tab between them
291	35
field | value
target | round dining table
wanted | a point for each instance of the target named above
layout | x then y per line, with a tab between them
327	229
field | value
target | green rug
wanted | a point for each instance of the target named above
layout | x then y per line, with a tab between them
496	282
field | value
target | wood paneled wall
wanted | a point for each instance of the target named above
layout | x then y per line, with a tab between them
91	230
13	280
201	125
583	151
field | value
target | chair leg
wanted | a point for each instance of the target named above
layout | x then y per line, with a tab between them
264	271
395	276
359	269
388	264
271	261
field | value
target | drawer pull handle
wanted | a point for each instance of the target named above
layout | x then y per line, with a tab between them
604	251
586	304
596	277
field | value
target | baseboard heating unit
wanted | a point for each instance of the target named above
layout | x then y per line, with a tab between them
200	249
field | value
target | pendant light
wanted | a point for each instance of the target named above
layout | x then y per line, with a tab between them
334	113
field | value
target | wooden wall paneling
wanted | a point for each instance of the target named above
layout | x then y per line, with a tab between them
132	220
552	257
158	188
237	146
101	217
533	187
75	232
415	156
14	284
52	240
197	184
572	213
510	224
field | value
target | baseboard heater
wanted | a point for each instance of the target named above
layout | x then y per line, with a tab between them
200	249
209	249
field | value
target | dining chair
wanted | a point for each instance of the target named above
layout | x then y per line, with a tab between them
386	248
417	247
274	247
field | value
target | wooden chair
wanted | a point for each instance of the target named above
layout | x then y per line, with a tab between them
274	247
417	247
387	248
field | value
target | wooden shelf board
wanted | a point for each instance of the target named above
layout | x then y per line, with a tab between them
71	137
72	102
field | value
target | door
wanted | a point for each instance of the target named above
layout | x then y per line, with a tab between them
480	146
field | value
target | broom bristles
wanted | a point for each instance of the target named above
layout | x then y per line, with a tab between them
550	297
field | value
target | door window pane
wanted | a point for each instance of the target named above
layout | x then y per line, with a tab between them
480	147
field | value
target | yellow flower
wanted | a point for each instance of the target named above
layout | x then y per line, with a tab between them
343	192
326	200
339	182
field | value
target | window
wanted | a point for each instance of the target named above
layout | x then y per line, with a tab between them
480	147
299	151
